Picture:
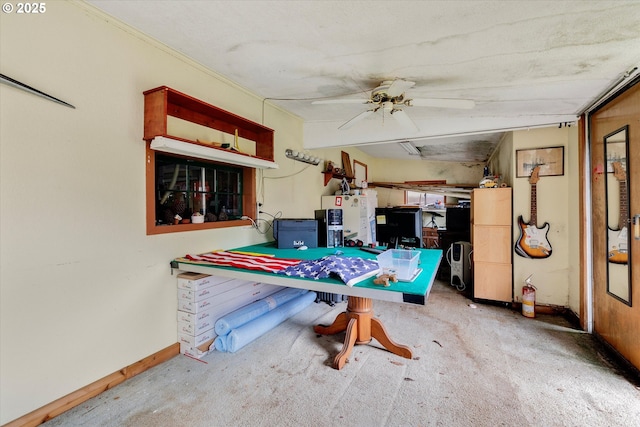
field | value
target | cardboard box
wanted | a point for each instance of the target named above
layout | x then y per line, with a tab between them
227	306
197	352
197	295
197	340
197	281
229	290
194	329
196	323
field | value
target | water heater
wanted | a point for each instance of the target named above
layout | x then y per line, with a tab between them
459	257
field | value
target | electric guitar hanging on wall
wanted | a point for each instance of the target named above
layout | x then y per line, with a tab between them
533	242
618	239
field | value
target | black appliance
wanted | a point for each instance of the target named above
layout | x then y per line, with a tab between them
330	227
294	233
399	227
458	219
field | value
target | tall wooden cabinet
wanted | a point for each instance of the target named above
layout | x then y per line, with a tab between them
491	236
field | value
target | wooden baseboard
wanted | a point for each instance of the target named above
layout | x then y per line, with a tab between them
555	310
615	358
77	397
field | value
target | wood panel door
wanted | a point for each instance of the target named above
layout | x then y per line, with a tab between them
616	321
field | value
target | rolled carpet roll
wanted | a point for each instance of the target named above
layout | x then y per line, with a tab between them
239	317
243	335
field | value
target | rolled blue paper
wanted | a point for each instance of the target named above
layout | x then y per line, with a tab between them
239	337
243	315
220	343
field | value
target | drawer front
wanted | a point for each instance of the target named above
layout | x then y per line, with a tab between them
492	244
492	281
491	206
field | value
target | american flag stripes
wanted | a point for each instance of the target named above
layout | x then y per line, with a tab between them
243	260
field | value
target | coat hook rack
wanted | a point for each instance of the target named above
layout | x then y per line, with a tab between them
302	157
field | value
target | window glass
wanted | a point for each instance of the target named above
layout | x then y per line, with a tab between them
185	187
425	199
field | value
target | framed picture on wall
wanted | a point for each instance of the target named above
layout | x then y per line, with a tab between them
550	160
359	173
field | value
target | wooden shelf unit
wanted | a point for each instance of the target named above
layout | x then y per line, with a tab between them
492	239
161	102
329	175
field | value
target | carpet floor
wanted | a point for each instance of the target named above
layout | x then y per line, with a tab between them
473	365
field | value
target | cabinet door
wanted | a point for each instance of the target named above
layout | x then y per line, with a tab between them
491	206
492	281
492	244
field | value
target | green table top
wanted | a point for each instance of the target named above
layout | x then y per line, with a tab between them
415	291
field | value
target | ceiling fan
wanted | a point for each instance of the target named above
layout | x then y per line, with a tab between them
390	97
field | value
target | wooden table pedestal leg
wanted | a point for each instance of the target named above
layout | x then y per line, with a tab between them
360	327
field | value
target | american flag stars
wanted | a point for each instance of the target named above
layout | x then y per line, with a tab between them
350	270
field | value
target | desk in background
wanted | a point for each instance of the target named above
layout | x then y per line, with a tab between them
430	238
357	321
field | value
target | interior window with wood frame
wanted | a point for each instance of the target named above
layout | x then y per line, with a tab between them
185	194
425	200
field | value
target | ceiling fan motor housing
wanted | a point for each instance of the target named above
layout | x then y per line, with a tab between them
380	96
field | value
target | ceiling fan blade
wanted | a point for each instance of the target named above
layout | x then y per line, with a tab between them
404	120
357	118
340	101
465	104
398	87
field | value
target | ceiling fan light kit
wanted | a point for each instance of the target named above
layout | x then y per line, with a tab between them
390	95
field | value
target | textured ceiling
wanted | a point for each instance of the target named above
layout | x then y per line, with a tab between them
525	63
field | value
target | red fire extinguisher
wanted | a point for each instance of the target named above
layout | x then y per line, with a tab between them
528	298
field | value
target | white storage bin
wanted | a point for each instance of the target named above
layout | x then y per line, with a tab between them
401	262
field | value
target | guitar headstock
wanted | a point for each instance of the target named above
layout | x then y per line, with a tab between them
618	171
533	179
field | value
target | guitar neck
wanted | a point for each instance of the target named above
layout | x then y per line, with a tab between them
624	205
533	218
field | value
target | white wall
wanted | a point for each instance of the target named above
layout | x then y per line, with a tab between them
84	292
501	162
555	277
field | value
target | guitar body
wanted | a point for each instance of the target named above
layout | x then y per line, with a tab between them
618	253
533	242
